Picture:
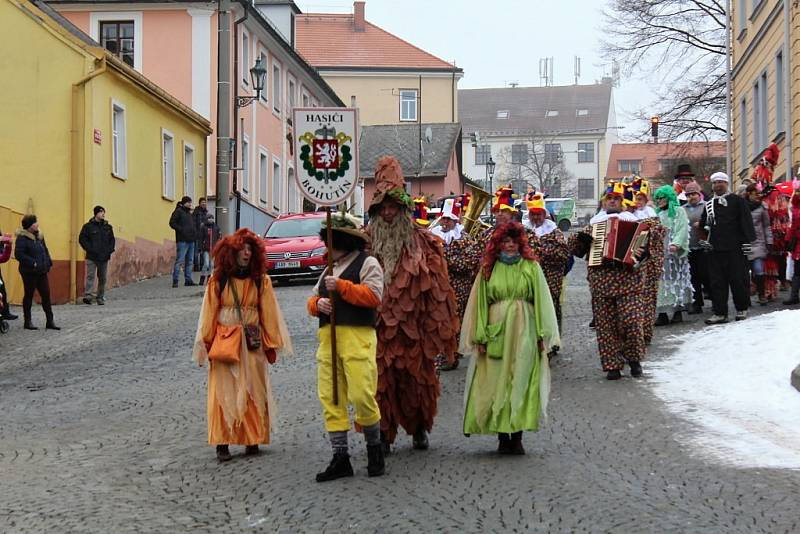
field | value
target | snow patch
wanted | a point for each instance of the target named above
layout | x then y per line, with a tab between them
732	382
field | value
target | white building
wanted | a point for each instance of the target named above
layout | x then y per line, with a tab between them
555	139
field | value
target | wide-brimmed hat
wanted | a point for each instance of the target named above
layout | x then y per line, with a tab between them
389	183
346	224
684	171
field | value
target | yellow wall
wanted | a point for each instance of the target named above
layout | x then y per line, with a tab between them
378	98
36	149
755	46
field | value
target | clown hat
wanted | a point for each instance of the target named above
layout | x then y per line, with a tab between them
614	189
535	202
421	211
451	209
628	200
504	199
641	187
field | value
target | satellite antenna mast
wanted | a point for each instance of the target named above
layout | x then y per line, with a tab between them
577	69
546	71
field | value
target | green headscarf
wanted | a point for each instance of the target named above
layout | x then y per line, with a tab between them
668	193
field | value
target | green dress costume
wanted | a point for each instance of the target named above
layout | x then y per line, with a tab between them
508	386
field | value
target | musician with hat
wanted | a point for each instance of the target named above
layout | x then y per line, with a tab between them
617	293
356	288
463	260
504	212
683	177
553	251
417	318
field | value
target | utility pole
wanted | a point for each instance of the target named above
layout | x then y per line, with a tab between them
223	117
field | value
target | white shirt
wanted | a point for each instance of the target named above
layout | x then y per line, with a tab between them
603	216
448	237
646	212
545	228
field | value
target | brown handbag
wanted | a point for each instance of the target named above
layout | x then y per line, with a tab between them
252	332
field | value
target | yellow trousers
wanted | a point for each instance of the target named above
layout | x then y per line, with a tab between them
357	372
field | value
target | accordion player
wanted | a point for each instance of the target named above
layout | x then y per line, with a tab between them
618	241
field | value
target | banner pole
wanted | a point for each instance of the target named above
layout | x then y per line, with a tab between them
331	294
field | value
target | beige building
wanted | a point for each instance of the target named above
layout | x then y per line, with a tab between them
390	80
765	99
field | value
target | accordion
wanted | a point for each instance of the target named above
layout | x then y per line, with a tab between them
617	241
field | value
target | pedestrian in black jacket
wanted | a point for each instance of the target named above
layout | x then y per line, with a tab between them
97	239
183	223
730	232
31	252
200	215
209	237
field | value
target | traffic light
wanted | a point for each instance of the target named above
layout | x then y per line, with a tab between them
654	127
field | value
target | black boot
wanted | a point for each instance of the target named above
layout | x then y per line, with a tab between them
515	445
387	447
614	374
202	280
338	468
662	320
760	288
252	450
29	326
223	454
375	463
51	326
677	317
503	443
420	439
636	369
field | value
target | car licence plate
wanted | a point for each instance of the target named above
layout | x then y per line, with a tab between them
287	264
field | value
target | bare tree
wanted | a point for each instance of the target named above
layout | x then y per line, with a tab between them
680	46
536	160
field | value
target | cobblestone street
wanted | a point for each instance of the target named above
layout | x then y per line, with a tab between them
103	430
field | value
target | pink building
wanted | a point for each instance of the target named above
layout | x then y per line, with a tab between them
175	45
430	155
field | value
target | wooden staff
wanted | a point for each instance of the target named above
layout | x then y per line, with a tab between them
333	310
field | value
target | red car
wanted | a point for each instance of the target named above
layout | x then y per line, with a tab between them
294	249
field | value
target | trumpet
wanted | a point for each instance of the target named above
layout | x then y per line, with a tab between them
472	222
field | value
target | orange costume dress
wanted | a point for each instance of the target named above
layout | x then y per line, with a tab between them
240	404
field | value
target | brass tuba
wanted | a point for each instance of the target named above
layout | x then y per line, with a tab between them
472	222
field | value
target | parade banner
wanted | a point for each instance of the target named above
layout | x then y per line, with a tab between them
326	153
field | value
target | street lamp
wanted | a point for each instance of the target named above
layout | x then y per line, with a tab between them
490	175
257	75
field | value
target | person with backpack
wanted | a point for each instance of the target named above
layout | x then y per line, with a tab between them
182	221
97	239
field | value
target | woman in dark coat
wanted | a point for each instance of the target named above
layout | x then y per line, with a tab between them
34	260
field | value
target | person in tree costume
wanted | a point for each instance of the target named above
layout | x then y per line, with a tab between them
417	317
675	286
552	247
509	328
463	261
619	296
355	287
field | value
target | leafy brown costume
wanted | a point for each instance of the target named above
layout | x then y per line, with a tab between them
417	318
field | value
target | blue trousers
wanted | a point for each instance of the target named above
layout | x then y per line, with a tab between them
185	255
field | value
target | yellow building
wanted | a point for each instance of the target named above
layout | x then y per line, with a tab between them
765	91
390	80
79	128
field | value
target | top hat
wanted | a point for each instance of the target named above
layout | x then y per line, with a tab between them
684	171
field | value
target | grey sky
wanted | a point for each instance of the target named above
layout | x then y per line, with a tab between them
501	41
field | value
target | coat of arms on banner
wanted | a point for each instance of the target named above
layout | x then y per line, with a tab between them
326	150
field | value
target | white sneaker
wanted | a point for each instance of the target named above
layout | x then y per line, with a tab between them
717	319
741	315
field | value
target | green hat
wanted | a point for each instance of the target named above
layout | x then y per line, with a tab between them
347	224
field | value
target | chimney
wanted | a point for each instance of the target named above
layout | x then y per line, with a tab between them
359	24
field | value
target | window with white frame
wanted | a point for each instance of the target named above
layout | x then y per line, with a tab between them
263	173
188	169
276	185
263	58
779	103
742	15
245	62
482	154
117	36
277	87
119	148
519	153
552	153
408	105
585	188
168	165
245	165
633	166
759	114
306	99
585	152
292	96
743	132
292	188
